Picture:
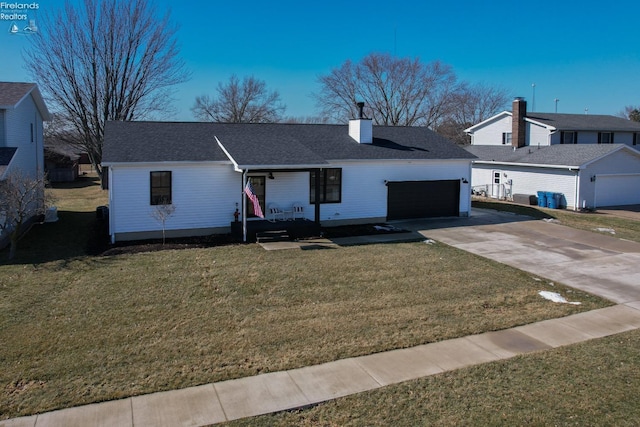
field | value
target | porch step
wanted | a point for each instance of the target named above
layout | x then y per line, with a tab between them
272	236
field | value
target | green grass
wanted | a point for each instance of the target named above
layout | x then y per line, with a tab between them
589	221
595	383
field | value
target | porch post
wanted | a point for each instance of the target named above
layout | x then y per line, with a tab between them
244	207
317	197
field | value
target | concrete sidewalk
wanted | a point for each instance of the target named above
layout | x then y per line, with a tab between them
277	391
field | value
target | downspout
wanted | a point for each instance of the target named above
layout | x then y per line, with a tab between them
576	204
317	197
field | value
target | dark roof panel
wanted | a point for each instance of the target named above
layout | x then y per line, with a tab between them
275	144
160	142
11	93
552	155
584	122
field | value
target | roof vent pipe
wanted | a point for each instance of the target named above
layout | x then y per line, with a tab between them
360	106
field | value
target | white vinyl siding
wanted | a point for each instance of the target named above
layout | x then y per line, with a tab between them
18	122
204	196
492	133
528	180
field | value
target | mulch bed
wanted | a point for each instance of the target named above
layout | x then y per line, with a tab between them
103	248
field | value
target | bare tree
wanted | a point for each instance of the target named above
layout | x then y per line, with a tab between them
396	91
631	112
248	101
22	198
104	60
470	105
161	213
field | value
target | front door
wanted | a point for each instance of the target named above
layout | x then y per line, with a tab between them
258	184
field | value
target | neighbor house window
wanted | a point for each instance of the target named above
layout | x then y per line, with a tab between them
161	188
568	137
605	138
506	138
635	139
330	183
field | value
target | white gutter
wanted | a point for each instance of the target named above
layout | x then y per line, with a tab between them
533	165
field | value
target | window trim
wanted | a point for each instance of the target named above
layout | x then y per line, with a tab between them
158	199
507	138
324	176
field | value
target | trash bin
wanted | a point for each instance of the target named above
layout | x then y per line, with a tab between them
542	199
552	200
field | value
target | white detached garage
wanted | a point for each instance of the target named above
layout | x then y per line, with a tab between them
588	176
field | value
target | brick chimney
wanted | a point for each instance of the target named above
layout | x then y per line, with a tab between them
361	129
518	126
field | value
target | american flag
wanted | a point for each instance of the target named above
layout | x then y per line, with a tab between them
257	210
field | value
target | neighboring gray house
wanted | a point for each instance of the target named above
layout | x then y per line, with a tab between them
591	160
22	113
357	173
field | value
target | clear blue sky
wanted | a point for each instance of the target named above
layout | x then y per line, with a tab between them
586	54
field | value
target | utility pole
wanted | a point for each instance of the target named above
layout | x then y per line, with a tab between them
556	101
533	99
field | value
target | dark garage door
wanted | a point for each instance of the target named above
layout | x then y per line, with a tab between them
423	199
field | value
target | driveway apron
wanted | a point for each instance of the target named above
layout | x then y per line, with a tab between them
599	264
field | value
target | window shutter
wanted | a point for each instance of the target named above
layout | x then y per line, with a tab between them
599	137
562	137
611	142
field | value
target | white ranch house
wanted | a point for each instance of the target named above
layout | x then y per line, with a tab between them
366	174
590	160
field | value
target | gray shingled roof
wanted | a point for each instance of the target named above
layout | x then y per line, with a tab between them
11	93
160	142
269	145
552	155
584	122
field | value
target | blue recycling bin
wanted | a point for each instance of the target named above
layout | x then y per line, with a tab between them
542	199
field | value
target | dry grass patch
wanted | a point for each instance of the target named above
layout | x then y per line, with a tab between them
89	329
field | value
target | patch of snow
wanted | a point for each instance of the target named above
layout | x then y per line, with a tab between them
429	241
556	297
605	230
551	220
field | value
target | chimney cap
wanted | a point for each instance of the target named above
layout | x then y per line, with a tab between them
519	98
360	106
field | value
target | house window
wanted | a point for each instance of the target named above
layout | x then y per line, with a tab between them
605	138
161	188
330	182
506	138
568	137
258	184
635	139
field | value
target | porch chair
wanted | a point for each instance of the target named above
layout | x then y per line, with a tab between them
297	211
274	213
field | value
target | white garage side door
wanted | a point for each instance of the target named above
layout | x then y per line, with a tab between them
616	190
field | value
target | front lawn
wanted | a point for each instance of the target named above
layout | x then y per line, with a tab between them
78	328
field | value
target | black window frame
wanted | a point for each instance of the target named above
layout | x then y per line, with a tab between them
563	136
325	186
158	190
601	134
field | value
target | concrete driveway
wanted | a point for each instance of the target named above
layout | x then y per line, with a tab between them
593	262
